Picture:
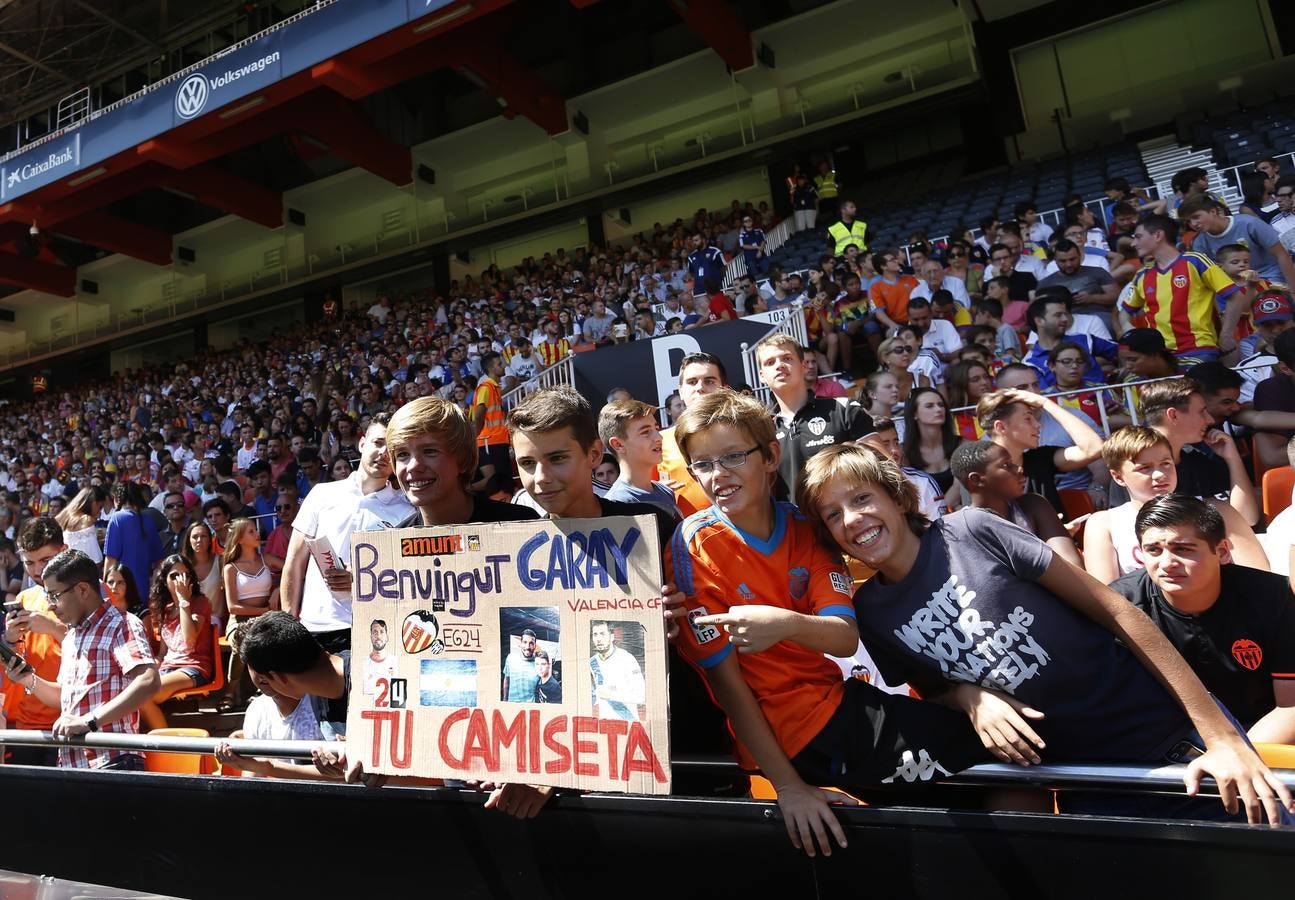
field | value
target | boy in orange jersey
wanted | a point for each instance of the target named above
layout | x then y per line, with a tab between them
756	580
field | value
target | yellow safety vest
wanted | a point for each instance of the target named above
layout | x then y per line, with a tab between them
845	235
826	185
494	431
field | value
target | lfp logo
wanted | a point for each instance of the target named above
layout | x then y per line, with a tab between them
192	96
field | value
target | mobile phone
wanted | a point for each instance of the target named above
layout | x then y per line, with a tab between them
7	653
12	606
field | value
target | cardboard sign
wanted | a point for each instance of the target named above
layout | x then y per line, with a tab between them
516	651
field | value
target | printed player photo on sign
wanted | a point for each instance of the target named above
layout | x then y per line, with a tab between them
463	634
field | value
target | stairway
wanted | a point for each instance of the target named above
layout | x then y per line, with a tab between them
1164	156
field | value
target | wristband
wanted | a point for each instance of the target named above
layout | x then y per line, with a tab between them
184	604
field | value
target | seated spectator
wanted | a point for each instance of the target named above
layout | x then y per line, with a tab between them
78	521
274	717
1092	290
988	312
1068	363
629	428
1215	229
889	294
880	395
1143	355
1234	625
965	383
938	335
1051	320
995	483
280	654
1110	683
180	626
1011	419
1277	394
944	308
933	279
792	714
1141	461
198	547
897	357
885	440
108	671
1206	458
929	437
821	387
122	592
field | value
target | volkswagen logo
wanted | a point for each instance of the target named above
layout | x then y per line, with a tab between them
192	96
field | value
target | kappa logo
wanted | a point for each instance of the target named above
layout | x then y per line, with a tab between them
703	633
919	768
192	96
841	583
1180	281
1247	653
817	425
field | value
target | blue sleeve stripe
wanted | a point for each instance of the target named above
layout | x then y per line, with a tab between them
682	562
837	609
716	658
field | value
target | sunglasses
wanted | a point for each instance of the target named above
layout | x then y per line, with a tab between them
174	505
282	508
901	348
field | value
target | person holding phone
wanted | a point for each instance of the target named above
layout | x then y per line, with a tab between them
35	634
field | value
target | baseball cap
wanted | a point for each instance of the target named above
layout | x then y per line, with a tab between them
1272	306
1147	341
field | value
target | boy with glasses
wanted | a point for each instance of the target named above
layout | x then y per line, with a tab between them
757	581
1283	220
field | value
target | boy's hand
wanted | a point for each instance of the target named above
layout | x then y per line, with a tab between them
805	812
521	801
1000	721
674	609
1241	775
752	629
1221	443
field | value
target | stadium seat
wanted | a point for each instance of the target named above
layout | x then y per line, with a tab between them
1076	503
1276	756
217	682
179	763
1277	485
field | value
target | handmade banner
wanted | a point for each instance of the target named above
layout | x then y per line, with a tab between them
518	651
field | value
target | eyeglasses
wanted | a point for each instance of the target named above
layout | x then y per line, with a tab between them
729	461
54	597
1285	194
1070	362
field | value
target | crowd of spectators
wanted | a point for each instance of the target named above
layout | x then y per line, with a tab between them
983	372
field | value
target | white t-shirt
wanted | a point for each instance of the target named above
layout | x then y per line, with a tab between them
334	510
951	284
1031	265
942	337
523	367
861	666
1084	324
262	721
621	678
374	669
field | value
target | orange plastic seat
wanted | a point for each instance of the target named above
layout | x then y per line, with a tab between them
218	678
1076	503
1277	485
178	763
1276	756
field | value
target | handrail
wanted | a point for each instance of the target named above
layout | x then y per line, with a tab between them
1107	776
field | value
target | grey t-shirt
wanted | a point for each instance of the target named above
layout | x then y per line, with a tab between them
598	327
1088	279
1255	234
659	495
971	610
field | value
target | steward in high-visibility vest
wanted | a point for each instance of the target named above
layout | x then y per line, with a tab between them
825	182
848	231
493	430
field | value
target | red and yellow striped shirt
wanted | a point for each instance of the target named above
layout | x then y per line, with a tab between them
1182	301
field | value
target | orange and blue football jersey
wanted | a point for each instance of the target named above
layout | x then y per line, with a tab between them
1182	301
718	567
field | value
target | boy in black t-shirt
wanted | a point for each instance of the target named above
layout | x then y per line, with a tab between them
1234	625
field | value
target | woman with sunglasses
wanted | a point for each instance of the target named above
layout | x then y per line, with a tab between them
180	627
959	264
896	356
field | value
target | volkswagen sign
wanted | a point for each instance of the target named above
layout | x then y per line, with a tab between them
192	96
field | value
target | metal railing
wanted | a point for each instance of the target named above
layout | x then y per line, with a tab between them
1232	174
1127	389
561	374
774	239
1108	777
788	320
